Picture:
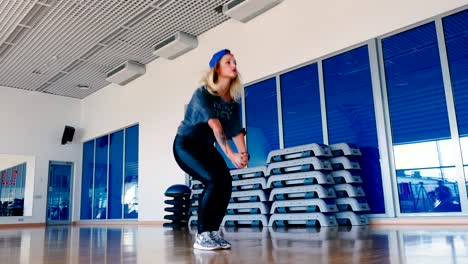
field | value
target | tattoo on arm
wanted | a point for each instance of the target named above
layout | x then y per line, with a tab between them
222	139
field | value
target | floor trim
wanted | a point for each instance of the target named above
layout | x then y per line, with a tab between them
107	223
419	221
25	225
374	222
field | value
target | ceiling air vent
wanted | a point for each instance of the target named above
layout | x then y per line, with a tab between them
126	72
245	10
175	45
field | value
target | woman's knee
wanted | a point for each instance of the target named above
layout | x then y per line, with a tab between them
223	183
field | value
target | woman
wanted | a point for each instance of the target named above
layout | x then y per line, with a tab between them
213	115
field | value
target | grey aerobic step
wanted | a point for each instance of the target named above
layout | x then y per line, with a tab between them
248	208
304	206
345	149
193	220
309	150
248	196
344	176
308	219
353	204
253	220
299	178
344	163
195	194
304	192
247	173
344	218
298	165
249	184
193	210
348	190
194	185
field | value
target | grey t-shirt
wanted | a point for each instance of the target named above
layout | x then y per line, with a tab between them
204	106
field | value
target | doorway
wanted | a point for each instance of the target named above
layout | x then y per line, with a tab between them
59	192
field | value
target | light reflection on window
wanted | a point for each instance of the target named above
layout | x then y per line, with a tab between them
464	149
426	175
417	155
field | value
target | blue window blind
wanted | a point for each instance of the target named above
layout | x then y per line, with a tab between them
456	41
262	120
351	116
131	173
349	98
87	180
300	102
100	178
415	89
116	175
456	38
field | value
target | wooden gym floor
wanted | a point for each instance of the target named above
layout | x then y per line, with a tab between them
155	244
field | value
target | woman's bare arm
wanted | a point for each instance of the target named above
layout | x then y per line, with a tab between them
223	142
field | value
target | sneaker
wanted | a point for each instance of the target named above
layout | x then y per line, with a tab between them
216	235
205	242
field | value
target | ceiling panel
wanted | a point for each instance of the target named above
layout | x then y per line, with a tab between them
58	46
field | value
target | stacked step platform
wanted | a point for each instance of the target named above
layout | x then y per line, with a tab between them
302	186
311	185
249	201
351	199
248	204
197	188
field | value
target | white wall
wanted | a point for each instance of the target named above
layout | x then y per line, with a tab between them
8	161
32	125
294	32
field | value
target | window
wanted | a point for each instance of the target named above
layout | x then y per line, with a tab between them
262	120
351	117
300	103
456	39
87	183
419	120
116	158
131	173
110	176
100	178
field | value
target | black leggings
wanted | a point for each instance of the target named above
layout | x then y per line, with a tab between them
204	163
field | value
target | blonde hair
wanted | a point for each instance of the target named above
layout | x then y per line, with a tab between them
210	81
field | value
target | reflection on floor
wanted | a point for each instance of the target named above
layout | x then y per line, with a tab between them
154	244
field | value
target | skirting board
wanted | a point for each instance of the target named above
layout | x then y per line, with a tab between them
427	221
380	222
26	225
107	223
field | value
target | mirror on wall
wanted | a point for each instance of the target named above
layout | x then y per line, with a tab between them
16	179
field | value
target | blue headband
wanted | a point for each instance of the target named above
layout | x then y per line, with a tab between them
217	56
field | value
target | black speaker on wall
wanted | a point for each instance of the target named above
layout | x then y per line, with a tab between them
68	133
